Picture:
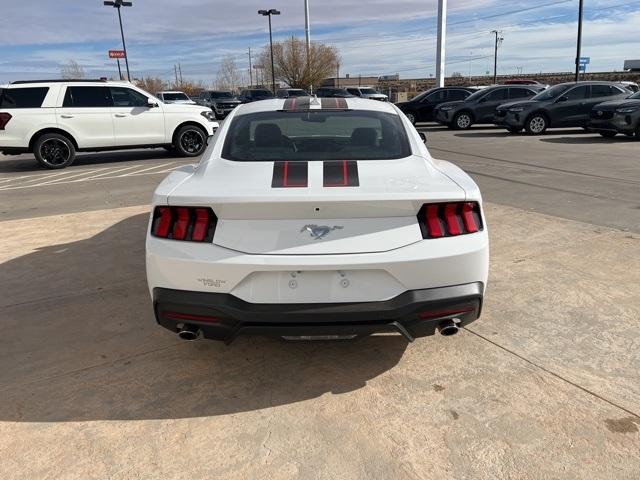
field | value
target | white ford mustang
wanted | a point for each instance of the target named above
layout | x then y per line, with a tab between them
317	218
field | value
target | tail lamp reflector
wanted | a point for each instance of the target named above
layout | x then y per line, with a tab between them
438	220
4	119
191	224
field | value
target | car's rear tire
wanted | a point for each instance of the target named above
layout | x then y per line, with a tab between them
54	151
411	117
514	129
190	141
608	134
536	124
462	121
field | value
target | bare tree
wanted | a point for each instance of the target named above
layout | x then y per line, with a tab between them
229	77
293	67
71	70
151	84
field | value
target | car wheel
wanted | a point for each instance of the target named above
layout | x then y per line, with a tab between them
536	124
190	141
411	117
608	134
54	151
462	121
514	130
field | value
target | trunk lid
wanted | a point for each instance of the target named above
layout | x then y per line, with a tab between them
378	215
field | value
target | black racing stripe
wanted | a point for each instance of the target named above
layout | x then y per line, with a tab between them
290	175
340	173
333	103
297	103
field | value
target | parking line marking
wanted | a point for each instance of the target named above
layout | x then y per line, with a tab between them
110	172
68	177
137	172
3	180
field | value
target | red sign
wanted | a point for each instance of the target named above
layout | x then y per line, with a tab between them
116	54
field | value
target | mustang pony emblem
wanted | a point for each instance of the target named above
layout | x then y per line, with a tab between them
318	232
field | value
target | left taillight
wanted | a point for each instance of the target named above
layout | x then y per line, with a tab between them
439	220
189	224
4	119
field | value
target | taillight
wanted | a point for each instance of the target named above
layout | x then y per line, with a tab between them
4	119
449	219
191	224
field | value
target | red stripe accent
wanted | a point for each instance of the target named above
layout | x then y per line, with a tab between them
182	223
293	104
195	318
164	223
337	103
285	182
345	173
469	219
201	225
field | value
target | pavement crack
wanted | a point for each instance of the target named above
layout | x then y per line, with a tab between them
553	374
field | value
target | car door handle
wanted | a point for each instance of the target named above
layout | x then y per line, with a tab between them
66	115
121	115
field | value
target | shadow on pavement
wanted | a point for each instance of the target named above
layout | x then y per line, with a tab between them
78	342
588	139
27	163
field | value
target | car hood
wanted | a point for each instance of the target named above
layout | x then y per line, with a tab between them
455	104
521	103
613	104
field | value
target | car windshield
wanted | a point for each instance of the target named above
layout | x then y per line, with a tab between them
221	95
316	135
172	97
368	91
261	93
476	96
420	96
635	96
552	92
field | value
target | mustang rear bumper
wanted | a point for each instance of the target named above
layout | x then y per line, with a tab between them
220	316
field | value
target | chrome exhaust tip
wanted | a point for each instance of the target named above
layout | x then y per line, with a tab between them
189	332
448	328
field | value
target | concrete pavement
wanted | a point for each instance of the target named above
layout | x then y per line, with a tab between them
545	385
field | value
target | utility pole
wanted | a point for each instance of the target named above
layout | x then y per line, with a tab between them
338	74
180	70
175	69
268	13
307	36
250	70
499	40
440	52
578	53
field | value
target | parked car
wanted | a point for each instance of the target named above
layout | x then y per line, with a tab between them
54	119
420	108
175	97
480	107
333	92
291	92
520	82
222	102
617	116
367	92
254	94
317	218
563	105
632	86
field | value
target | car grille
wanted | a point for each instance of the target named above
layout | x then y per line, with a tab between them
226	105
601	115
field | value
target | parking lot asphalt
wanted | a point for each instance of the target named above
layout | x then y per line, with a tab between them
544	385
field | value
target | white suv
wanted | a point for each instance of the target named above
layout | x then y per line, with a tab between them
55	119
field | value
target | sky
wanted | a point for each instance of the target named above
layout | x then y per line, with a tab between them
374	37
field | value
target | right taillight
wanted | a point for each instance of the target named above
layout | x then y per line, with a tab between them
439	220
4	119
191	224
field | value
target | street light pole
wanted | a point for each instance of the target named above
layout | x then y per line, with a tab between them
578	53
117	4
268	13
307	34
440	52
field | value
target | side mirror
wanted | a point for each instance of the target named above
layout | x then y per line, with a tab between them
151	103
423	137
562	99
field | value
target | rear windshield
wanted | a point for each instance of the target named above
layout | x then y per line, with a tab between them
221	95
316	135
172	97
22	97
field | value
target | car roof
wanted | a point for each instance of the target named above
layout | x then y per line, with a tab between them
353	103
171	91
82	82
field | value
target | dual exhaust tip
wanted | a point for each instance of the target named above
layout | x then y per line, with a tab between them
447	328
